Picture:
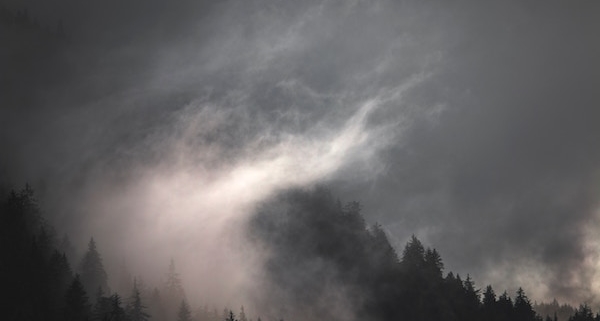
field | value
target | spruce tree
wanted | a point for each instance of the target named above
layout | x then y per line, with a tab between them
433	263
117	313
523	309
184	313
172	292
136	310
93	275
243	314
231	317
413	256
76	302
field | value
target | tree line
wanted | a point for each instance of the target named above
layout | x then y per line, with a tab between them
39	282
308	228
300	227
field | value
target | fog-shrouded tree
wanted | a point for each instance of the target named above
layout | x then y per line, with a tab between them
433	264
77	307
522	307
505	309
136	311
93	275
156	306
335	250
584	313
184	313
172	293
109	308
231	316
554	310
243	314
413	256
117	312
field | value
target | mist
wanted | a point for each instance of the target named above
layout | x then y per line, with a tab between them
159	128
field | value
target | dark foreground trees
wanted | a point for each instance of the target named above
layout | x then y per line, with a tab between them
36	277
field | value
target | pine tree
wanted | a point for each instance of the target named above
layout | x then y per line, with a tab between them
136	308
523	309
76	302
59	278
382	251
93	275
489	304
102	306
173	284
172	292
242	314
584	313
231	317
413	256
489	297
117	313
184	313
505	307
157	308
433	263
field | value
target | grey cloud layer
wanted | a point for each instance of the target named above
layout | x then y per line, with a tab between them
494	160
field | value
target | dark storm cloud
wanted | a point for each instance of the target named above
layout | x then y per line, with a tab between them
493	108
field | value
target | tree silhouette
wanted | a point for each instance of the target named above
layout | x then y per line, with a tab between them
413	256
136	310
184	313
93	275
231	317
156	306
505	306
584	313
77	307
433	263
317	246
242	314
172	293
523	309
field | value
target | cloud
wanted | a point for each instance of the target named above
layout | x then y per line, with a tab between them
472	125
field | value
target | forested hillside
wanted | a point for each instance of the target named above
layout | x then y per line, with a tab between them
322	250
325	264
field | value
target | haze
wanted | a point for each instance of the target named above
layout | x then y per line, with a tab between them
158	127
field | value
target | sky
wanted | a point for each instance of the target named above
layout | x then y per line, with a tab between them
157	127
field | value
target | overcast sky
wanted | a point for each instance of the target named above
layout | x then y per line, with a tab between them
473	125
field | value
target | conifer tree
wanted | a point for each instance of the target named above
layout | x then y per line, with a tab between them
172	292
93	275
136	310
489	297
433	263
117	312
157	308
184	313
382	251
231	317
243	314
413	256
522	307
76	302
505	307
584	313
102	306
59	277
